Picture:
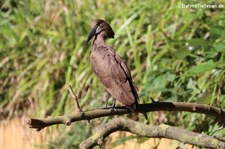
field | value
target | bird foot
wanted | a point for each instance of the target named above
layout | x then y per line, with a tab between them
112	108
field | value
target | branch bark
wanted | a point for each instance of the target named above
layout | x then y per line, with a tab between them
150	131
39	124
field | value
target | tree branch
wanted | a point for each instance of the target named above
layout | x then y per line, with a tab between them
39	124
150	131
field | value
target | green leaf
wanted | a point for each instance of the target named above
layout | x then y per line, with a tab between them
197	42
220	47
218	31
182	53
220	64
204	98
202	68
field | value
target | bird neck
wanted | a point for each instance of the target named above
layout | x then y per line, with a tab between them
99	40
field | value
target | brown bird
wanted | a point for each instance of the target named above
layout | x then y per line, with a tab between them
109	67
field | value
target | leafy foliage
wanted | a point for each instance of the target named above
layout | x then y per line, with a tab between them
174	54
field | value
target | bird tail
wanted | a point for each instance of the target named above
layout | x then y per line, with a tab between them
133	107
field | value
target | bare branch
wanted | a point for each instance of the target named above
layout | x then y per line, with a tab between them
150	131
77	106
39	124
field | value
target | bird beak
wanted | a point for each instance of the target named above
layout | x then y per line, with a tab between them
91	34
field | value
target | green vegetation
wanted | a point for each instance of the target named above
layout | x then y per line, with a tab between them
175	54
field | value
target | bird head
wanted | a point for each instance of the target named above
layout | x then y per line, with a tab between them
100	26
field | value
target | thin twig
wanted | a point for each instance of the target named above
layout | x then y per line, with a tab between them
76	103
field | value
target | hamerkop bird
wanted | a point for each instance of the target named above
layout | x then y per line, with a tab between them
109	67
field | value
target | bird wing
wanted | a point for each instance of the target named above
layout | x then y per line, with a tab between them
122	77
114	74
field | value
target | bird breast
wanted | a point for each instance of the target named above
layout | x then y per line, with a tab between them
100	62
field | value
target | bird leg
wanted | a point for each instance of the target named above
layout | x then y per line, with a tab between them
107	100
113	105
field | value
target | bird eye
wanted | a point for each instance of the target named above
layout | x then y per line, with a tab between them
98	29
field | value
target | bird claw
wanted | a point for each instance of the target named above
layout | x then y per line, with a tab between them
112	108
